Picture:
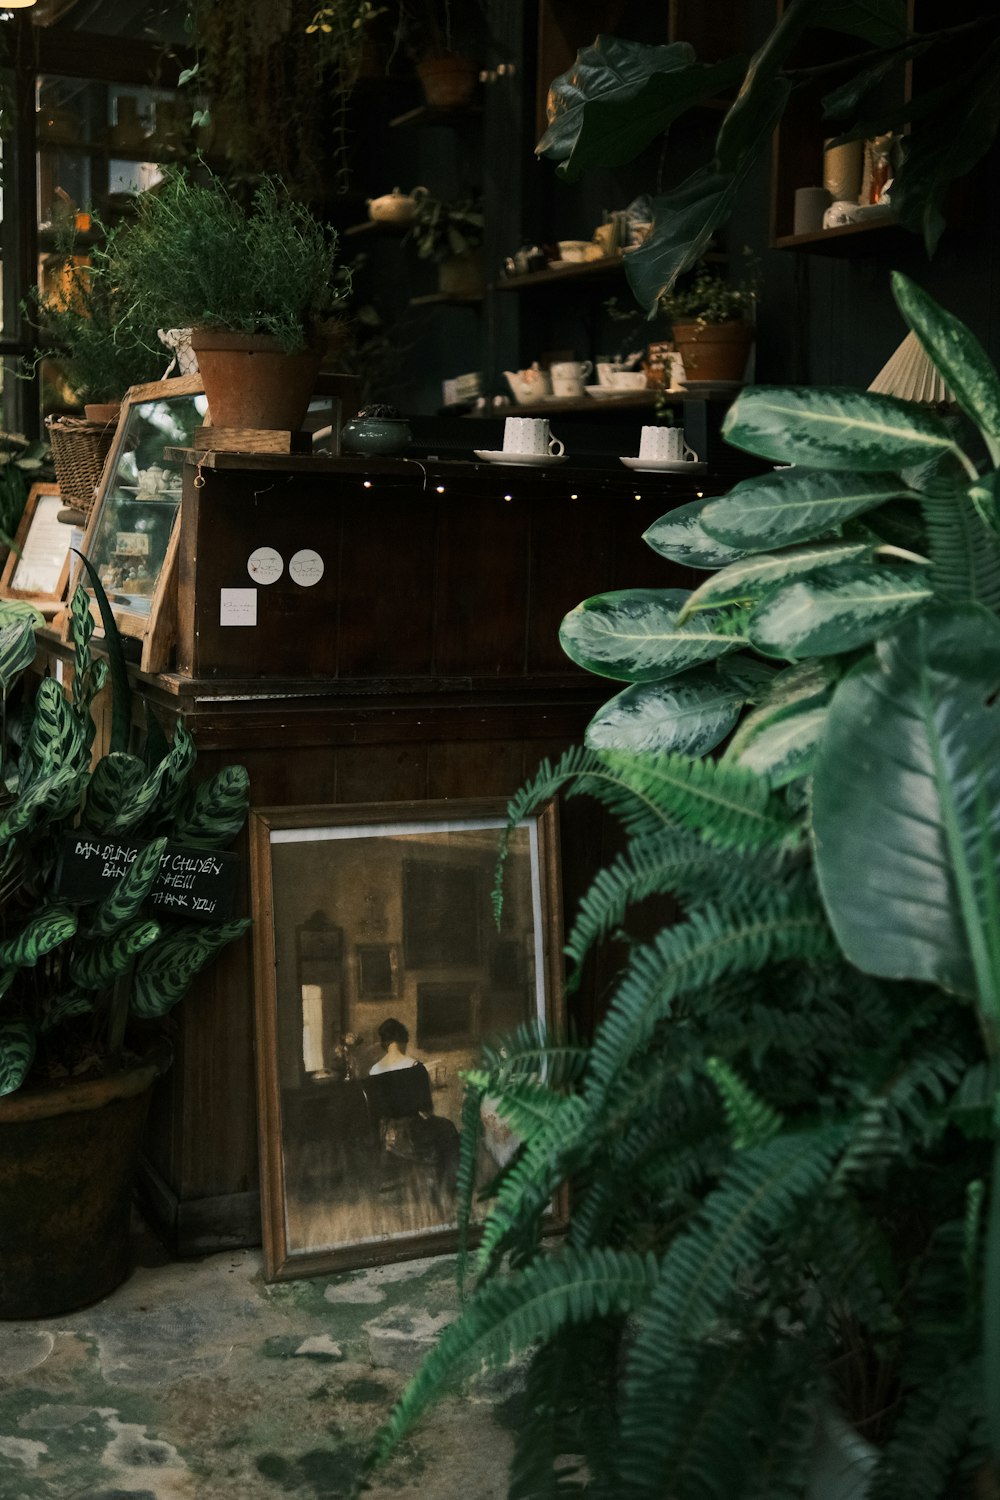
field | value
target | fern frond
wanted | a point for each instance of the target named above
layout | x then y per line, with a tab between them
566	1433
692	956
728	806
526	1188
534	1304
465	1180
751	1121
929	1436
527	1106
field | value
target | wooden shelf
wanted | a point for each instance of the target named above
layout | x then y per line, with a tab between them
425	115
376	226
559	406
837	241
443	299
588	270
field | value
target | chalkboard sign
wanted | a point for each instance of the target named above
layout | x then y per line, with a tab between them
196	885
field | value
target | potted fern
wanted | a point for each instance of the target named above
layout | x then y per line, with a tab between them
783	1139
83	985
261	288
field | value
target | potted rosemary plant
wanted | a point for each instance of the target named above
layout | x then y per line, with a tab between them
261	288
83	984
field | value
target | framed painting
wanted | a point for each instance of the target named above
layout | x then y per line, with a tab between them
132	533
37	567
379	975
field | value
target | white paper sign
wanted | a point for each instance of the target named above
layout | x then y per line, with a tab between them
237	606
45	550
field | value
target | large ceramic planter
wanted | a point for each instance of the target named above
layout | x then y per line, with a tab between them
713	351
68	1160
250	382
448	82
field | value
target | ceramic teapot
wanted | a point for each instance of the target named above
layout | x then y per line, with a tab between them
529	385
396	207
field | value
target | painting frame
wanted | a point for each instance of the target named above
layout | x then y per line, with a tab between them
34	517
333	841
153	626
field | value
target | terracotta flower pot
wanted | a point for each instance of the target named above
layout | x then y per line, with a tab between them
250	382
102	411
68	1158
714	351
448	82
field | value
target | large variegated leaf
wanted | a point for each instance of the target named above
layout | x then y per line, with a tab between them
783	744
827	427
164	972
17	1053
97	964
690	714
957	354
17	644
173	771
47	800
745	581
67	1007
215	811
41	935
680	536
115	781
794	505
906	813
121	904
835	611
619	95
633	635
56	737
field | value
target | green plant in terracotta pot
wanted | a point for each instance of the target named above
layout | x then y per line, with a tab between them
84	982
262	289
713	324
450	233
447	72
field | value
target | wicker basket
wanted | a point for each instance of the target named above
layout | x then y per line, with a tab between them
79	449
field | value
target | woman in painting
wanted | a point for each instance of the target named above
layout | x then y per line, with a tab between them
395	1039
402	1103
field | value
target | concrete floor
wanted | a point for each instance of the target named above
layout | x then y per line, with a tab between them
196	1380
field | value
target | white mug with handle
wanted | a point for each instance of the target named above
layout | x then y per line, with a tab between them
530	438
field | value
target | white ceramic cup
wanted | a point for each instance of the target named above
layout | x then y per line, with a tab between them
571	369
666	443
530	435
604	371
627	380
567	385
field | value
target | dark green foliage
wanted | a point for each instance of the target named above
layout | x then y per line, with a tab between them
781	1146
65	973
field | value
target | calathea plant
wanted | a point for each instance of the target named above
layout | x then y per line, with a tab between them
71	977
782	1142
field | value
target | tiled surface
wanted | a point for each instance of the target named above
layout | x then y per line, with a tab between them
197	1381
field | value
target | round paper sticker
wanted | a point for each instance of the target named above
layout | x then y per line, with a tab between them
265	565
306	567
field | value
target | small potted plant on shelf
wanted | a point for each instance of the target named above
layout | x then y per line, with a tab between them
450	233
448	76
83	985
262	289
712	322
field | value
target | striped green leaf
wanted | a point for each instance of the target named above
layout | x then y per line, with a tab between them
114	785
957	354
68	1007
743	582
690	713
40	936
174	770
121	905
805	685
680	536
215	811
835	611
17	1053
633	635
163	973
46	801
794	505
827	427
17	643
783	744
98	963
56	737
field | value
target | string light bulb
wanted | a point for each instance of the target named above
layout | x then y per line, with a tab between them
367	484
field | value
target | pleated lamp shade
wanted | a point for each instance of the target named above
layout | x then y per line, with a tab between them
910	375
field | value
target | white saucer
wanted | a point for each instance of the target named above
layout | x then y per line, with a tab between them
664	465
531	460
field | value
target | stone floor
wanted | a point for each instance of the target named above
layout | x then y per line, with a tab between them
197	1380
